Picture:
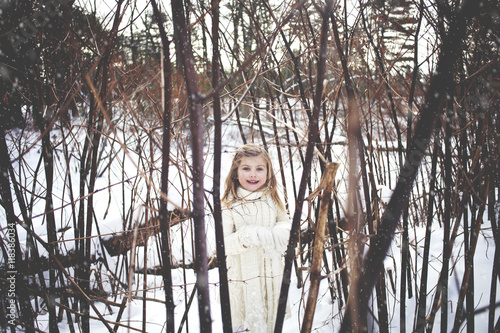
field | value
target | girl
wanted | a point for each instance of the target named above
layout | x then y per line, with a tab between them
256	230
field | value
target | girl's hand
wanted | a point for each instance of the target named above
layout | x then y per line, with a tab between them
253	235
265	238
280	240
281	234
248	236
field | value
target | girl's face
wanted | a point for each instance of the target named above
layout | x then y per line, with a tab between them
252	173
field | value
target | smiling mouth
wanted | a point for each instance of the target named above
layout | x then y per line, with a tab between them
253	182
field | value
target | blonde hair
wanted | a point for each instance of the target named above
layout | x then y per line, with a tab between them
232	183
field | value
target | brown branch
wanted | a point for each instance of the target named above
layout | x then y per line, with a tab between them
326	188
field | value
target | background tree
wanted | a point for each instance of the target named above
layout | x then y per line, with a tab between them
85	129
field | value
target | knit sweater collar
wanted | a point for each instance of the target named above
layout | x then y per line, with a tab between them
248	195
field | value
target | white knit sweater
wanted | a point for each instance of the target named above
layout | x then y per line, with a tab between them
254	273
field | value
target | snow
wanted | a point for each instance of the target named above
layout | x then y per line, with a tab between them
113	194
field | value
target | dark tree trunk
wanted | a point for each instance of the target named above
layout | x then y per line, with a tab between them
184	49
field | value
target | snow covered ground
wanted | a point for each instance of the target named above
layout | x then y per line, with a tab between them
124	184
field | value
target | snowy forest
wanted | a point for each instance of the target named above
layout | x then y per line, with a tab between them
119	120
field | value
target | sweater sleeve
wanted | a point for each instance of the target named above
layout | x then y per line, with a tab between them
232	243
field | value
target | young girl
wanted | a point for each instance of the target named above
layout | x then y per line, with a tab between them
256	231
